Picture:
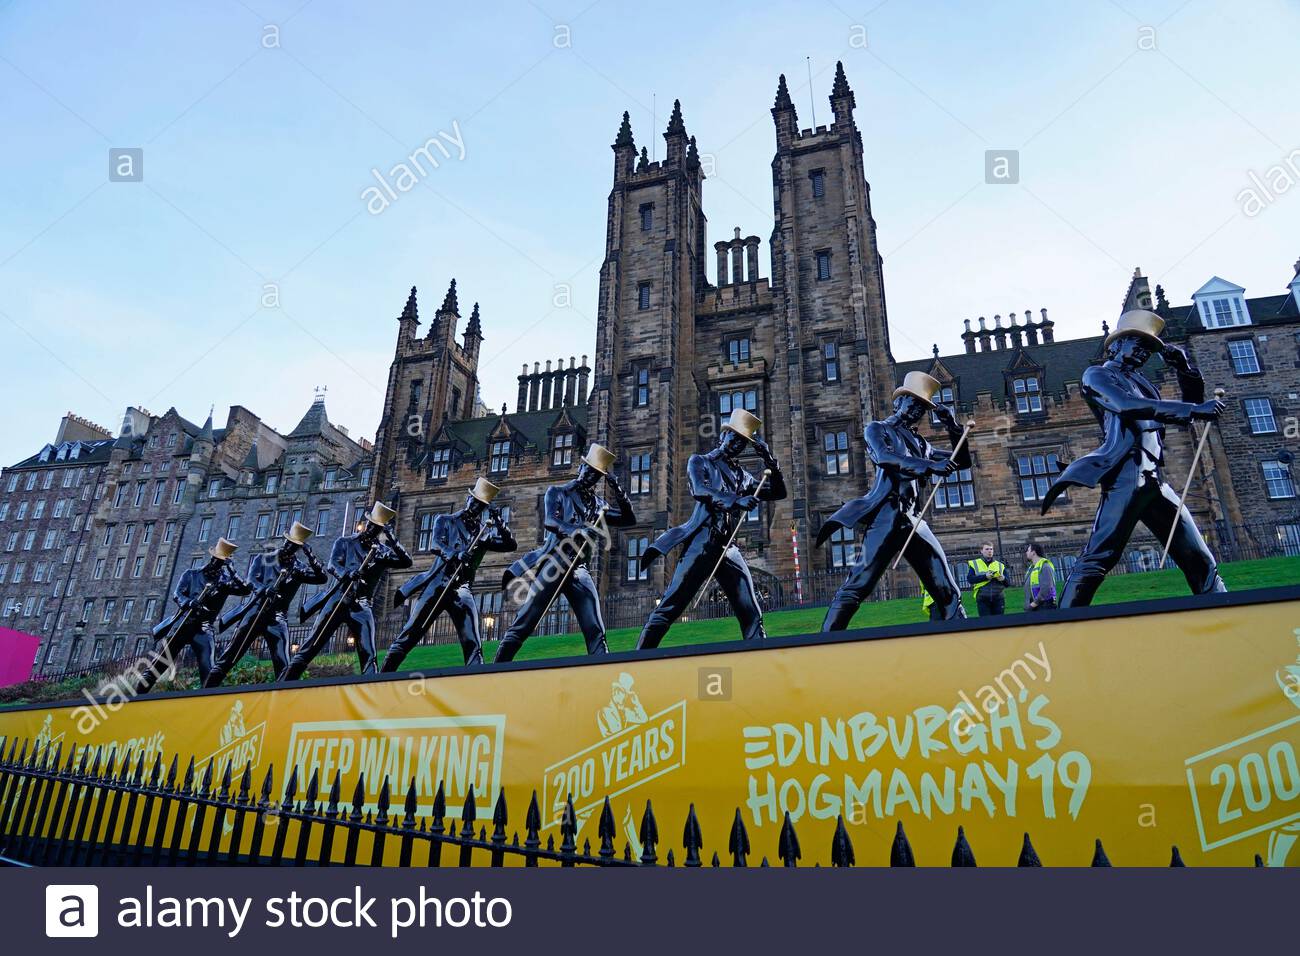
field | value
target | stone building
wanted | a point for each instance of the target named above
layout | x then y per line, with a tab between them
1022	388
45	523
142	507
807	350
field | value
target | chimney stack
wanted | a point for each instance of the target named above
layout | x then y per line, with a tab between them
1046	325
583	373
721	247
521	405
968	338
751	257
737	258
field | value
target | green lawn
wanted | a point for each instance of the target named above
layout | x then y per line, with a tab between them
1239	576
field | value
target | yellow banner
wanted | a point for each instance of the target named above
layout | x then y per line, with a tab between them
1145	730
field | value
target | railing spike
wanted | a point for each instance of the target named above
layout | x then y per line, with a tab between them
1099	857
627	852
336	791
1259	860
72	760
187	786
1176	858
586	848
439	806
649	835
1028	855
568	829
533	824
205	787
268	784
313	790
500	817
550	843
764	865
381	817
671	861
170	785
962	854
290	789
358	797
410	805
606	830
841	845
738	841
692	838
900	853
225	782
715	862
787	844
468	814
139	770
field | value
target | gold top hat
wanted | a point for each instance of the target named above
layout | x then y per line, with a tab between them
600	458
299	533
1146	325
381	514
223	550
743	423
484	491
922	386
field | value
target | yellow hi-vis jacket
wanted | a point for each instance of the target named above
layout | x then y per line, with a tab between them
980	566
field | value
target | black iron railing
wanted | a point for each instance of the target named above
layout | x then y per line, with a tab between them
104	811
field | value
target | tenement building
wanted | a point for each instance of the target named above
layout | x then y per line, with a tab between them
102	526
688	329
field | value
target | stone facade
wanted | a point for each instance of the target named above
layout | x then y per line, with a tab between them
143	507
45	523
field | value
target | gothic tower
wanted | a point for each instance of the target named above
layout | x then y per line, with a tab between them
433	379
832	334
644	398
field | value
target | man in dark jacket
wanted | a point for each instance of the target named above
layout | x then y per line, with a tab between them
1128	467
459	542
357	562
275	578
576	519
987	578
905	463
724	493
199	595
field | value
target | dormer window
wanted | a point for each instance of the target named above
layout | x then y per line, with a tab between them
440	463
499	457
1221	304
946	396
562	450
272	483
1029	395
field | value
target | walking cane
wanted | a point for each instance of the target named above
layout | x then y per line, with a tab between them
1200	446
569	570
970	424
767	473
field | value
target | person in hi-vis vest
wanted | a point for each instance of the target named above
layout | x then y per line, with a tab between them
1040	580
987	578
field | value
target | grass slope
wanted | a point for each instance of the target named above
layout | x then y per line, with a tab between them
1239	576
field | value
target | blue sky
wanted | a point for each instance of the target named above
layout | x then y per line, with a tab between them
256	156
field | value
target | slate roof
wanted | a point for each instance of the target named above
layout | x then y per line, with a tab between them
1063	361
472	434
87	453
